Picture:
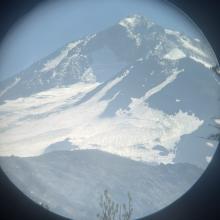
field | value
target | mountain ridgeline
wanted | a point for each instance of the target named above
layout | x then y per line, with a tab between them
101	56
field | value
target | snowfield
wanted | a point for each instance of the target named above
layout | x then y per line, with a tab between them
69	92
30	125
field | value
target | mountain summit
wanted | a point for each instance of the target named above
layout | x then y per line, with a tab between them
121	90
100	56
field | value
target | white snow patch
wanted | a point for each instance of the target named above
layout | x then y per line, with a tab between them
178	100
51	64
17	79
109	85
189	45
153	127
54	74
199	60
74	44
217	121
158	46
88	76
130	23
196	39
208	158
162	85
140	59
172	32
89	38
41	103
175	54
210	144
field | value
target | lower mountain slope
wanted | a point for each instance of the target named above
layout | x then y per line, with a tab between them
70	183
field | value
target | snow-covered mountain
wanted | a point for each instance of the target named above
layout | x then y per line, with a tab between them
135	89
71	184
127	109
100	56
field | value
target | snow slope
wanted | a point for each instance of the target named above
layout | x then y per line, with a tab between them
132	132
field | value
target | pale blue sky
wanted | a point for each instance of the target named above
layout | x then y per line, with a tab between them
54	23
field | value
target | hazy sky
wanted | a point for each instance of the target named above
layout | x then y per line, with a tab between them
54	23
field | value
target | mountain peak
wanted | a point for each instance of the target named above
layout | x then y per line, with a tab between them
134	20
